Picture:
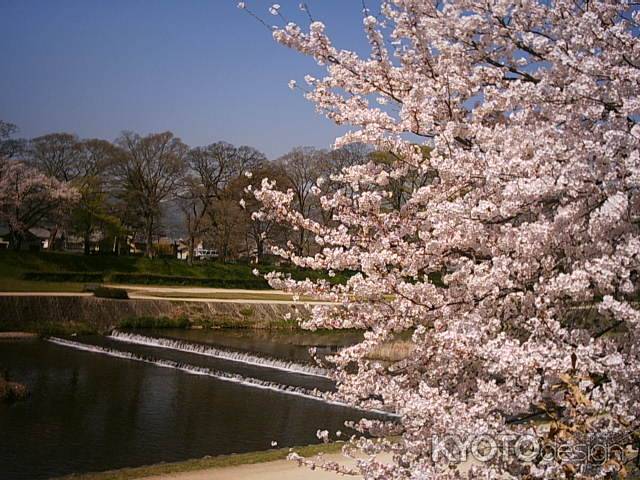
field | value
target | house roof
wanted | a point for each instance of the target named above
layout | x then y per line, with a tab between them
29	236
41	233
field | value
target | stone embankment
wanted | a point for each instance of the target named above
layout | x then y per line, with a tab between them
29	313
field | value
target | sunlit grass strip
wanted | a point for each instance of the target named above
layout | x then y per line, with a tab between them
207	463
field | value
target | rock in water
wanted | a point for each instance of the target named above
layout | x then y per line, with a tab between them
12	391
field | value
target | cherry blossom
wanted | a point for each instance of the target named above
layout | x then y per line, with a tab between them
27	196
274	9
514	266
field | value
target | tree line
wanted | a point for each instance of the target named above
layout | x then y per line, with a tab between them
122	189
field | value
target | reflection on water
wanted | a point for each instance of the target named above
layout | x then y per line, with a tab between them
90	412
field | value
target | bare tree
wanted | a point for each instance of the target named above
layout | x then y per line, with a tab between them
57	155
227	228
333	163
96	159
210	171
301	168
347	156
260	231
7	129
148	170
249	158
11	147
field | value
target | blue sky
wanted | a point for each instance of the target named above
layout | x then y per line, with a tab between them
201	68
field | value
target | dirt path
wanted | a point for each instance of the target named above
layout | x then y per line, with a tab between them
147	293
278	470
195	290
227	300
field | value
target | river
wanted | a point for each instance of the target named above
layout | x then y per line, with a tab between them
100	403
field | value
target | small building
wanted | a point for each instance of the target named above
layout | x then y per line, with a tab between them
43	234
182	250
4	241
205	253
30	241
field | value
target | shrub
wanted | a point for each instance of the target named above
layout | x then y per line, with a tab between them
114	293
91	287
78	277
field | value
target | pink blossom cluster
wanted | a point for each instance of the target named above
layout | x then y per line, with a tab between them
28	196
529	111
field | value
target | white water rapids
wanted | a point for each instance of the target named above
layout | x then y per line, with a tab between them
209	351
219	375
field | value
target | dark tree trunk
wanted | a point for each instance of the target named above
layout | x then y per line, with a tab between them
192	249
149	246
16	240
301	247
259	250
87	242
52	239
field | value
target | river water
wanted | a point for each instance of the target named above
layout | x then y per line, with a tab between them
101	403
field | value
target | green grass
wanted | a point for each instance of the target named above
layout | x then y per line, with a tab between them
207	463
236	281
77	277
51	329
43	269
16	264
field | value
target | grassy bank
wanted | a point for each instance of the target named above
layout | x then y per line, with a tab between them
45	270
206	463
56	271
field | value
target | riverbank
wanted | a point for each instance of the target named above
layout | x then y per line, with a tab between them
253	465
58	271
11	336
68	313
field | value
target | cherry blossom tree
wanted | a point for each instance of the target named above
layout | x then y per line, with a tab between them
57	155
530	214
28	196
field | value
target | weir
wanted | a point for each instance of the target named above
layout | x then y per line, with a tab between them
218	375
207	350
155	411
193	369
